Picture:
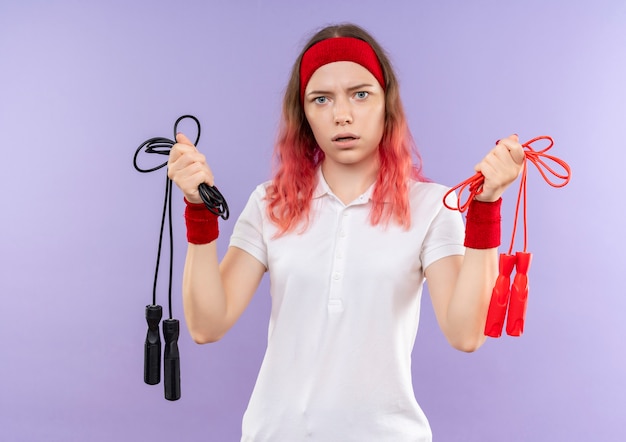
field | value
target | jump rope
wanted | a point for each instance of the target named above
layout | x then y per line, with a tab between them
506	296
216	203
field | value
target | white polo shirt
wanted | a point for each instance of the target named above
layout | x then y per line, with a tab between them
345	311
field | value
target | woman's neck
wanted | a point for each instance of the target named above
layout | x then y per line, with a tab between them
348	182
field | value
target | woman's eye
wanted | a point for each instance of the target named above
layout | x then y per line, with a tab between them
321	100
361	95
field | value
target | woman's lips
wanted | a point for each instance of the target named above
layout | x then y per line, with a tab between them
345	140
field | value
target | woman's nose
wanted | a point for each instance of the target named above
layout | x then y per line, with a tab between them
343	115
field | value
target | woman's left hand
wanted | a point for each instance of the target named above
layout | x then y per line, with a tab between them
500	167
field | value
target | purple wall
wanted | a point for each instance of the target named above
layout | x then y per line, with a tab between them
82	85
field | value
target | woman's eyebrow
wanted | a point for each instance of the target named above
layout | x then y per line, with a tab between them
319	92
360	86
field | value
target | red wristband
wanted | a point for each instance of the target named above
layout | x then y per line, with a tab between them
482	227
202	227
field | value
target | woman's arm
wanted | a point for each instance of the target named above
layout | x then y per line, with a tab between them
461	286
214	295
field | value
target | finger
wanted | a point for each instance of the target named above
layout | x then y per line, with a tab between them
493	158
182	148
497	163
202	170
190	163
182	138
189	160
190	177
515	149
484	167
194	178
178	151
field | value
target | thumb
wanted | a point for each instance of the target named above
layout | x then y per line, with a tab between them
182	139
516	149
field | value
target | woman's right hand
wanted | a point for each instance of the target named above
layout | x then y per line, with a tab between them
188	168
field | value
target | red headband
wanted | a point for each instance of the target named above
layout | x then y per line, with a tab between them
339	49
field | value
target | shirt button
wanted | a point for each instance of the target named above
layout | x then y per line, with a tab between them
337	276
342	233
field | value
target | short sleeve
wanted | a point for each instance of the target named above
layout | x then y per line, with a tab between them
248	231
445	235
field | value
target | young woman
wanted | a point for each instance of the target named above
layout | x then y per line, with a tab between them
348	231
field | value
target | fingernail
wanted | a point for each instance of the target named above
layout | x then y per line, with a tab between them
497	141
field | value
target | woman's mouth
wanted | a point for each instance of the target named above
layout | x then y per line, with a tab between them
342	138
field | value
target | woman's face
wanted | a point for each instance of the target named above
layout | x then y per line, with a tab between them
345	107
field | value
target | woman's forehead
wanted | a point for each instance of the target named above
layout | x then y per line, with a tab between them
343	74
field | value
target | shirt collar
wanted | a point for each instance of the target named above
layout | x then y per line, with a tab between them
322	188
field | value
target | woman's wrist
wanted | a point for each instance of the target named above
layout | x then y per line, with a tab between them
483	224
489	196
202	225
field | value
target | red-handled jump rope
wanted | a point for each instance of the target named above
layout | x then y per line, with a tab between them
504	294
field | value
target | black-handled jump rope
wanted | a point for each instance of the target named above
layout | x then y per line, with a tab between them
217	205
